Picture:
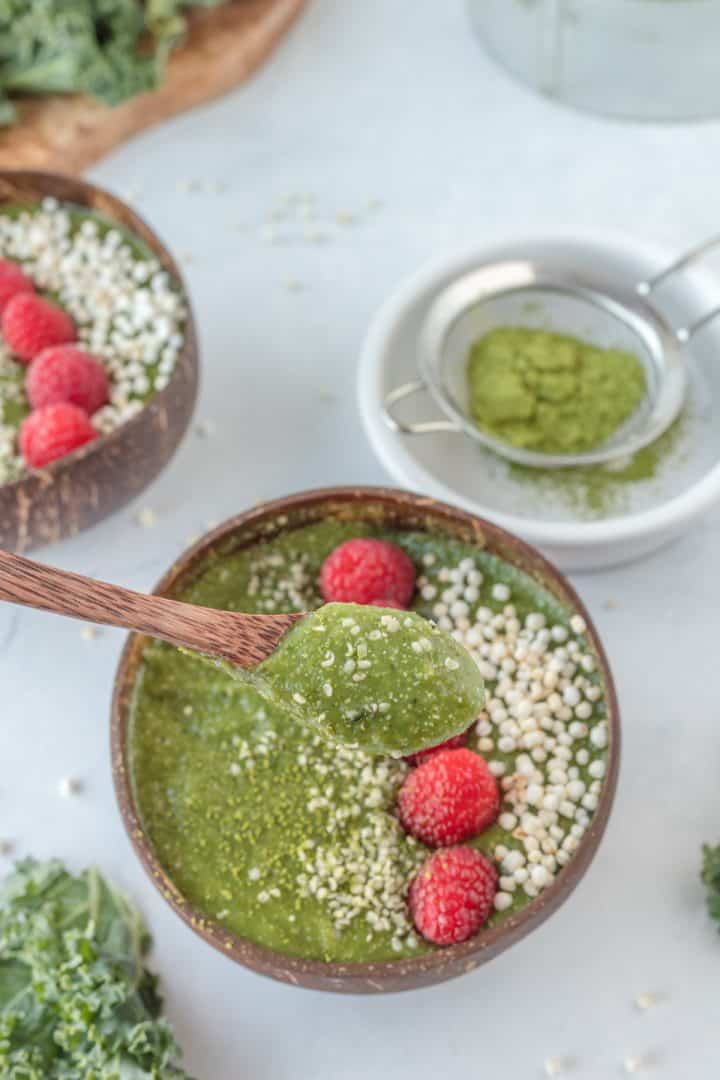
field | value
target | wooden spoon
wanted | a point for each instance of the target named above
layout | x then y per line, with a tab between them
244	640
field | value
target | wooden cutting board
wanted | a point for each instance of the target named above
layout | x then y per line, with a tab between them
224	46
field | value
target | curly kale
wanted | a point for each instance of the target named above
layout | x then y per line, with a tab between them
110	49
75	997
711	879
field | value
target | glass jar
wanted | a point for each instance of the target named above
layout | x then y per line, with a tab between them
641	59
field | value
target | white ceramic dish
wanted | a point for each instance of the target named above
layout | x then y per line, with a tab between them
581	525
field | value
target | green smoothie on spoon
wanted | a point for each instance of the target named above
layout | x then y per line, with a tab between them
379	679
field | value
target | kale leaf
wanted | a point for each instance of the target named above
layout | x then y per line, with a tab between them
75	997
711	879
110	49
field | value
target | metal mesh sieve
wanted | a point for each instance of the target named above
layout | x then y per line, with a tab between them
531	293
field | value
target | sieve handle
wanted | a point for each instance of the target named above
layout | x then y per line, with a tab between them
649	285
424	427
550	45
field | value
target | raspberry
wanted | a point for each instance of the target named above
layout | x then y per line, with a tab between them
12	281
66	373
425	755
52	432
365	571
31	324
448	798
452	894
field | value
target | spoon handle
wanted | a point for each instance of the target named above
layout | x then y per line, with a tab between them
244	640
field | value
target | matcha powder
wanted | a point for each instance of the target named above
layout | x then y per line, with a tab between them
599	491
549	392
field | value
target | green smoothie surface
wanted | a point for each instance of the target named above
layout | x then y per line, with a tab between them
290	839
383	680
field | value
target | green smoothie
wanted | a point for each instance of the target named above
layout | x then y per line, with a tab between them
291	840
382	680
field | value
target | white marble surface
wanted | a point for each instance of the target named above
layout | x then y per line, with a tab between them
395	101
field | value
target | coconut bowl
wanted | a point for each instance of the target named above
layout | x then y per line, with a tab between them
395	509
87	485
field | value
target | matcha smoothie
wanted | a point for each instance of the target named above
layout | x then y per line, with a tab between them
291	839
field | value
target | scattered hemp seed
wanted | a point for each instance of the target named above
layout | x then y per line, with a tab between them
294	285
635	1063
190	184
346	218
555	1066
69	786
146	518
6	848
89	633
204	429
646	1001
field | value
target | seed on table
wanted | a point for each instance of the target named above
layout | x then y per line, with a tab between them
69	786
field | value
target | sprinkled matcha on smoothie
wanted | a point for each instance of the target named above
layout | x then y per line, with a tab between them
549	392
384	680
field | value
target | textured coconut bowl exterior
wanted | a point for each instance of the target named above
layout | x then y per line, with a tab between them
87	485
396	509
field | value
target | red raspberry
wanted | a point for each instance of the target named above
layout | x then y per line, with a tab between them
449	798
66	373
12	280
452	894
54	431
31	324
365	571
425	755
